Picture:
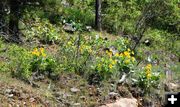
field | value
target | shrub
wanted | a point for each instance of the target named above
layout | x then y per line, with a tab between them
43	30
148	79
26	63
110	64
41	63
83	16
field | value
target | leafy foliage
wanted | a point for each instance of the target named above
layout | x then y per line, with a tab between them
43	30
30	62
148	79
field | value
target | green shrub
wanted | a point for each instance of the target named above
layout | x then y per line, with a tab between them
84	17
120	16
25	63
148	79
43	30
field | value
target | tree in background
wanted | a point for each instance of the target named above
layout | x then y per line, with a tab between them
12	10
14	18
98	15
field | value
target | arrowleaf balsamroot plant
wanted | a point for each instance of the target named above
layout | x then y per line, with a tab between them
148	79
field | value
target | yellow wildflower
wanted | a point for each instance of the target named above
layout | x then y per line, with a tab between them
133	59
109	53
121	55
42	52
117	54
127	54
148	75
35	52
127	61
129	50
148	70
148	67
132	53
36	49
113	62
110	66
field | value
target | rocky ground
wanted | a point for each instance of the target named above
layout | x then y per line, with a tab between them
71	90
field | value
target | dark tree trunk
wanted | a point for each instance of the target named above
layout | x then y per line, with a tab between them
2	21
98	15
14	18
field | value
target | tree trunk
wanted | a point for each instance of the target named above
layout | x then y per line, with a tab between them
98	15
2	21
14	18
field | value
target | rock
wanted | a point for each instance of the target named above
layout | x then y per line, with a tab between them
113	95
123	102
31	100
69	28
8	91
74	90
147	42
113	49
76	105
171	87
10	95
83	97
88	28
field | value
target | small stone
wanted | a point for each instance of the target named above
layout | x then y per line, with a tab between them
82	97
68	27
171	87
31	100
88	28
74	90
10	95
77	104
24	96
113	94
24	103
8	90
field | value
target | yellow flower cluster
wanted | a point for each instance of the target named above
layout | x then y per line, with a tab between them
112	63
126	54
110	66
38	52
148	70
